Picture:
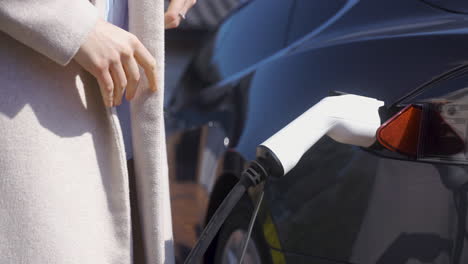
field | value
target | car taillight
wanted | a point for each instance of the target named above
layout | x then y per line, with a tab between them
401	132
427	131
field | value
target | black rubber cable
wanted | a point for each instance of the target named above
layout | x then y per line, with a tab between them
217	220
251	225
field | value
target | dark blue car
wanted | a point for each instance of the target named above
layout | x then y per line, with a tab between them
270	61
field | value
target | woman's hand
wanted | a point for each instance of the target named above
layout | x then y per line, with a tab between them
112	55
175	10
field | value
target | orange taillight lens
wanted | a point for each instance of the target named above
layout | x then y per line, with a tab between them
401	132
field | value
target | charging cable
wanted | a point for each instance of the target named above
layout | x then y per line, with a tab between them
252	176
251	225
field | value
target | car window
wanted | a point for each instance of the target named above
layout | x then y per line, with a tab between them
309	14
253	33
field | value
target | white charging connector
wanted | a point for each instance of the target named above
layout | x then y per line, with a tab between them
348	119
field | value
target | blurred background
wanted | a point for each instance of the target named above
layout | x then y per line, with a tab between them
187	199
183	41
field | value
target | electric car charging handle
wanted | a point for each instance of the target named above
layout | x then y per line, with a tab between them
348	119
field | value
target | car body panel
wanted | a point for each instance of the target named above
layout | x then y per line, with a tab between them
252	41
341	204
456	6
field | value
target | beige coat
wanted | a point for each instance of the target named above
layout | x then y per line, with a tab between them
64	195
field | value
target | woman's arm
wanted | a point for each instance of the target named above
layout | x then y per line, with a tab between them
70	29
55	28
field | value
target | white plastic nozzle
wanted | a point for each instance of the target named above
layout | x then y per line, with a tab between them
349	119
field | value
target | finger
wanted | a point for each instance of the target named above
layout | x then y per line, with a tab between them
172	25
133	77
120	82
146	60
188	4
171	17
171	20
106	86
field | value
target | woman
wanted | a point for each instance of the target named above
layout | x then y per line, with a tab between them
64	194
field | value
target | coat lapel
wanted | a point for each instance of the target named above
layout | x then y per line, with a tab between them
146	21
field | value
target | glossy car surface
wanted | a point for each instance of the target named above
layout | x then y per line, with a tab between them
268	63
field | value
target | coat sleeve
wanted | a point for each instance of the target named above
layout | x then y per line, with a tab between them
55	28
